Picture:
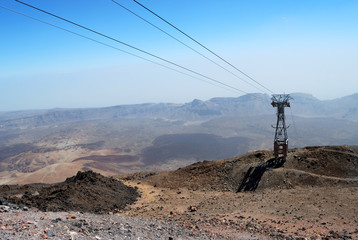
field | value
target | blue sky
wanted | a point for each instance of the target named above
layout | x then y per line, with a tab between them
288	46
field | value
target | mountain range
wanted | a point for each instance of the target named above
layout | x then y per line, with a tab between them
50	145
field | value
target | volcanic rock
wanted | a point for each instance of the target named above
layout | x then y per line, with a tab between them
85	192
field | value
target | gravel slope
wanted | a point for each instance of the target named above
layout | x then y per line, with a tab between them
33	224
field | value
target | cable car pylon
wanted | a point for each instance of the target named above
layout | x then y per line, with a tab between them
280	101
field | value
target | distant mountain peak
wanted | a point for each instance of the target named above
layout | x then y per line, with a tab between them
307	96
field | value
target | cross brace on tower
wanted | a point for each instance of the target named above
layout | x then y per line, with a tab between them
281	140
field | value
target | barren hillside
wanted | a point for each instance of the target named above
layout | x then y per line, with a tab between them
312	195
311	166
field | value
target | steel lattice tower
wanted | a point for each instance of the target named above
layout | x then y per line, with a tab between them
281	140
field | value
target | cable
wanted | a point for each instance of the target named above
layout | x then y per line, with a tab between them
202	45
110	46
130	46
176	39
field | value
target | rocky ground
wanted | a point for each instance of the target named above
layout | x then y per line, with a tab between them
300	213
32	224
311	195
63	211
85	192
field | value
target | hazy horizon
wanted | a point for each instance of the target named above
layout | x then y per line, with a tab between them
138	103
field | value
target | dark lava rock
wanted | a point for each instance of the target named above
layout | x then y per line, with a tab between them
85	192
